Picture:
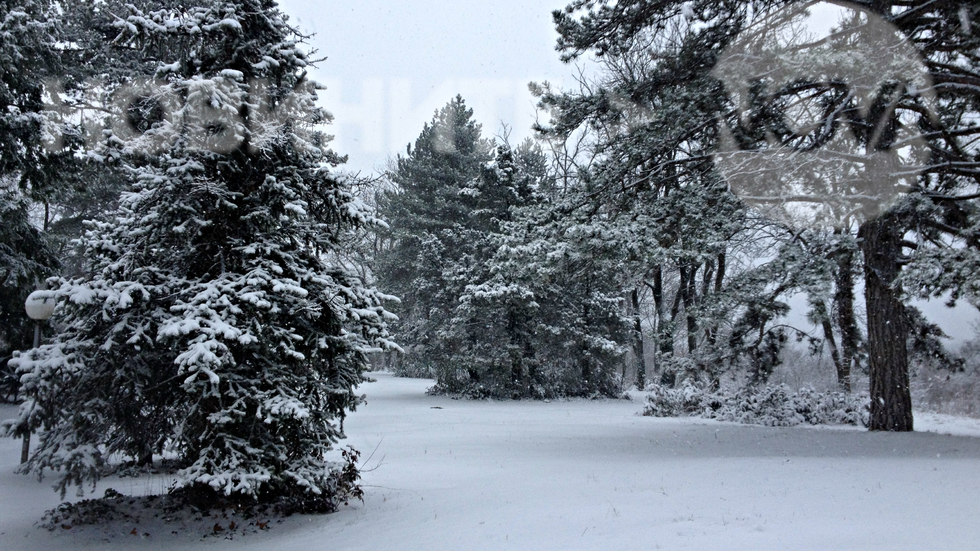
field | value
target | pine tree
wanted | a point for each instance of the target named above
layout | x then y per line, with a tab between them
431	230
552	313
215	322
647	121
476	313
909	136
546	314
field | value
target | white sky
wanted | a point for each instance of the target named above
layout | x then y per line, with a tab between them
390	65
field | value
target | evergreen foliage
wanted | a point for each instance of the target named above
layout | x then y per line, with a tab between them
433	234
545	317
489	306
659	119
25	259
27	169
214	322
644	133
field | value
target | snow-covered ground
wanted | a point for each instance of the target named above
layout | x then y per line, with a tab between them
465	475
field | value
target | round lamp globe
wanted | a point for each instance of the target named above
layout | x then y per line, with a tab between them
40	305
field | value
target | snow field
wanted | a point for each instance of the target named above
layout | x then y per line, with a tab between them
477	475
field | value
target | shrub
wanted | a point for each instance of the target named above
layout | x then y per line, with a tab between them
943	391
775	406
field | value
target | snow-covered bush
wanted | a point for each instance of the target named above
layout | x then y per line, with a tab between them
946	391
769	405
402	365
183	511
664	401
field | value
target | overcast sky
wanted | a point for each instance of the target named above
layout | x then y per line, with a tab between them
390	65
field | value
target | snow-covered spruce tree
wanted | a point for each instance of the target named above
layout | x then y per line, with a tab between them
25	260
214	324
431	231
473	314
553	304
469	343
516	330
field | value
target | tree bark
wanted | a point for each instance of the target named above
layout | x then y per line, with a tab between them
689	297
665	335
641	362
720	274
844	306
709	273
25	448
145	458
891	400
675	308
657	288
711	333
843	373
665	325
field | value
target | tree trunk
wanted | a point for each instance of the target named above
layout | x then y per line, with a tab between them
709	274
891	401
712	333
25	448
720	274
641	362
583	355
675	308
516	360
665	335
665	325
844	305
145	459
689	297
706	280
843	372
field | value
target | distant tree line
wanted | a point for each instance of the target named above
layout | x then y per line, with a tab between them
538	270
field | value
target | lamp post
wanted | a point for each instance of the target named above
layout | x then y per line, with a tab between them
39	306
